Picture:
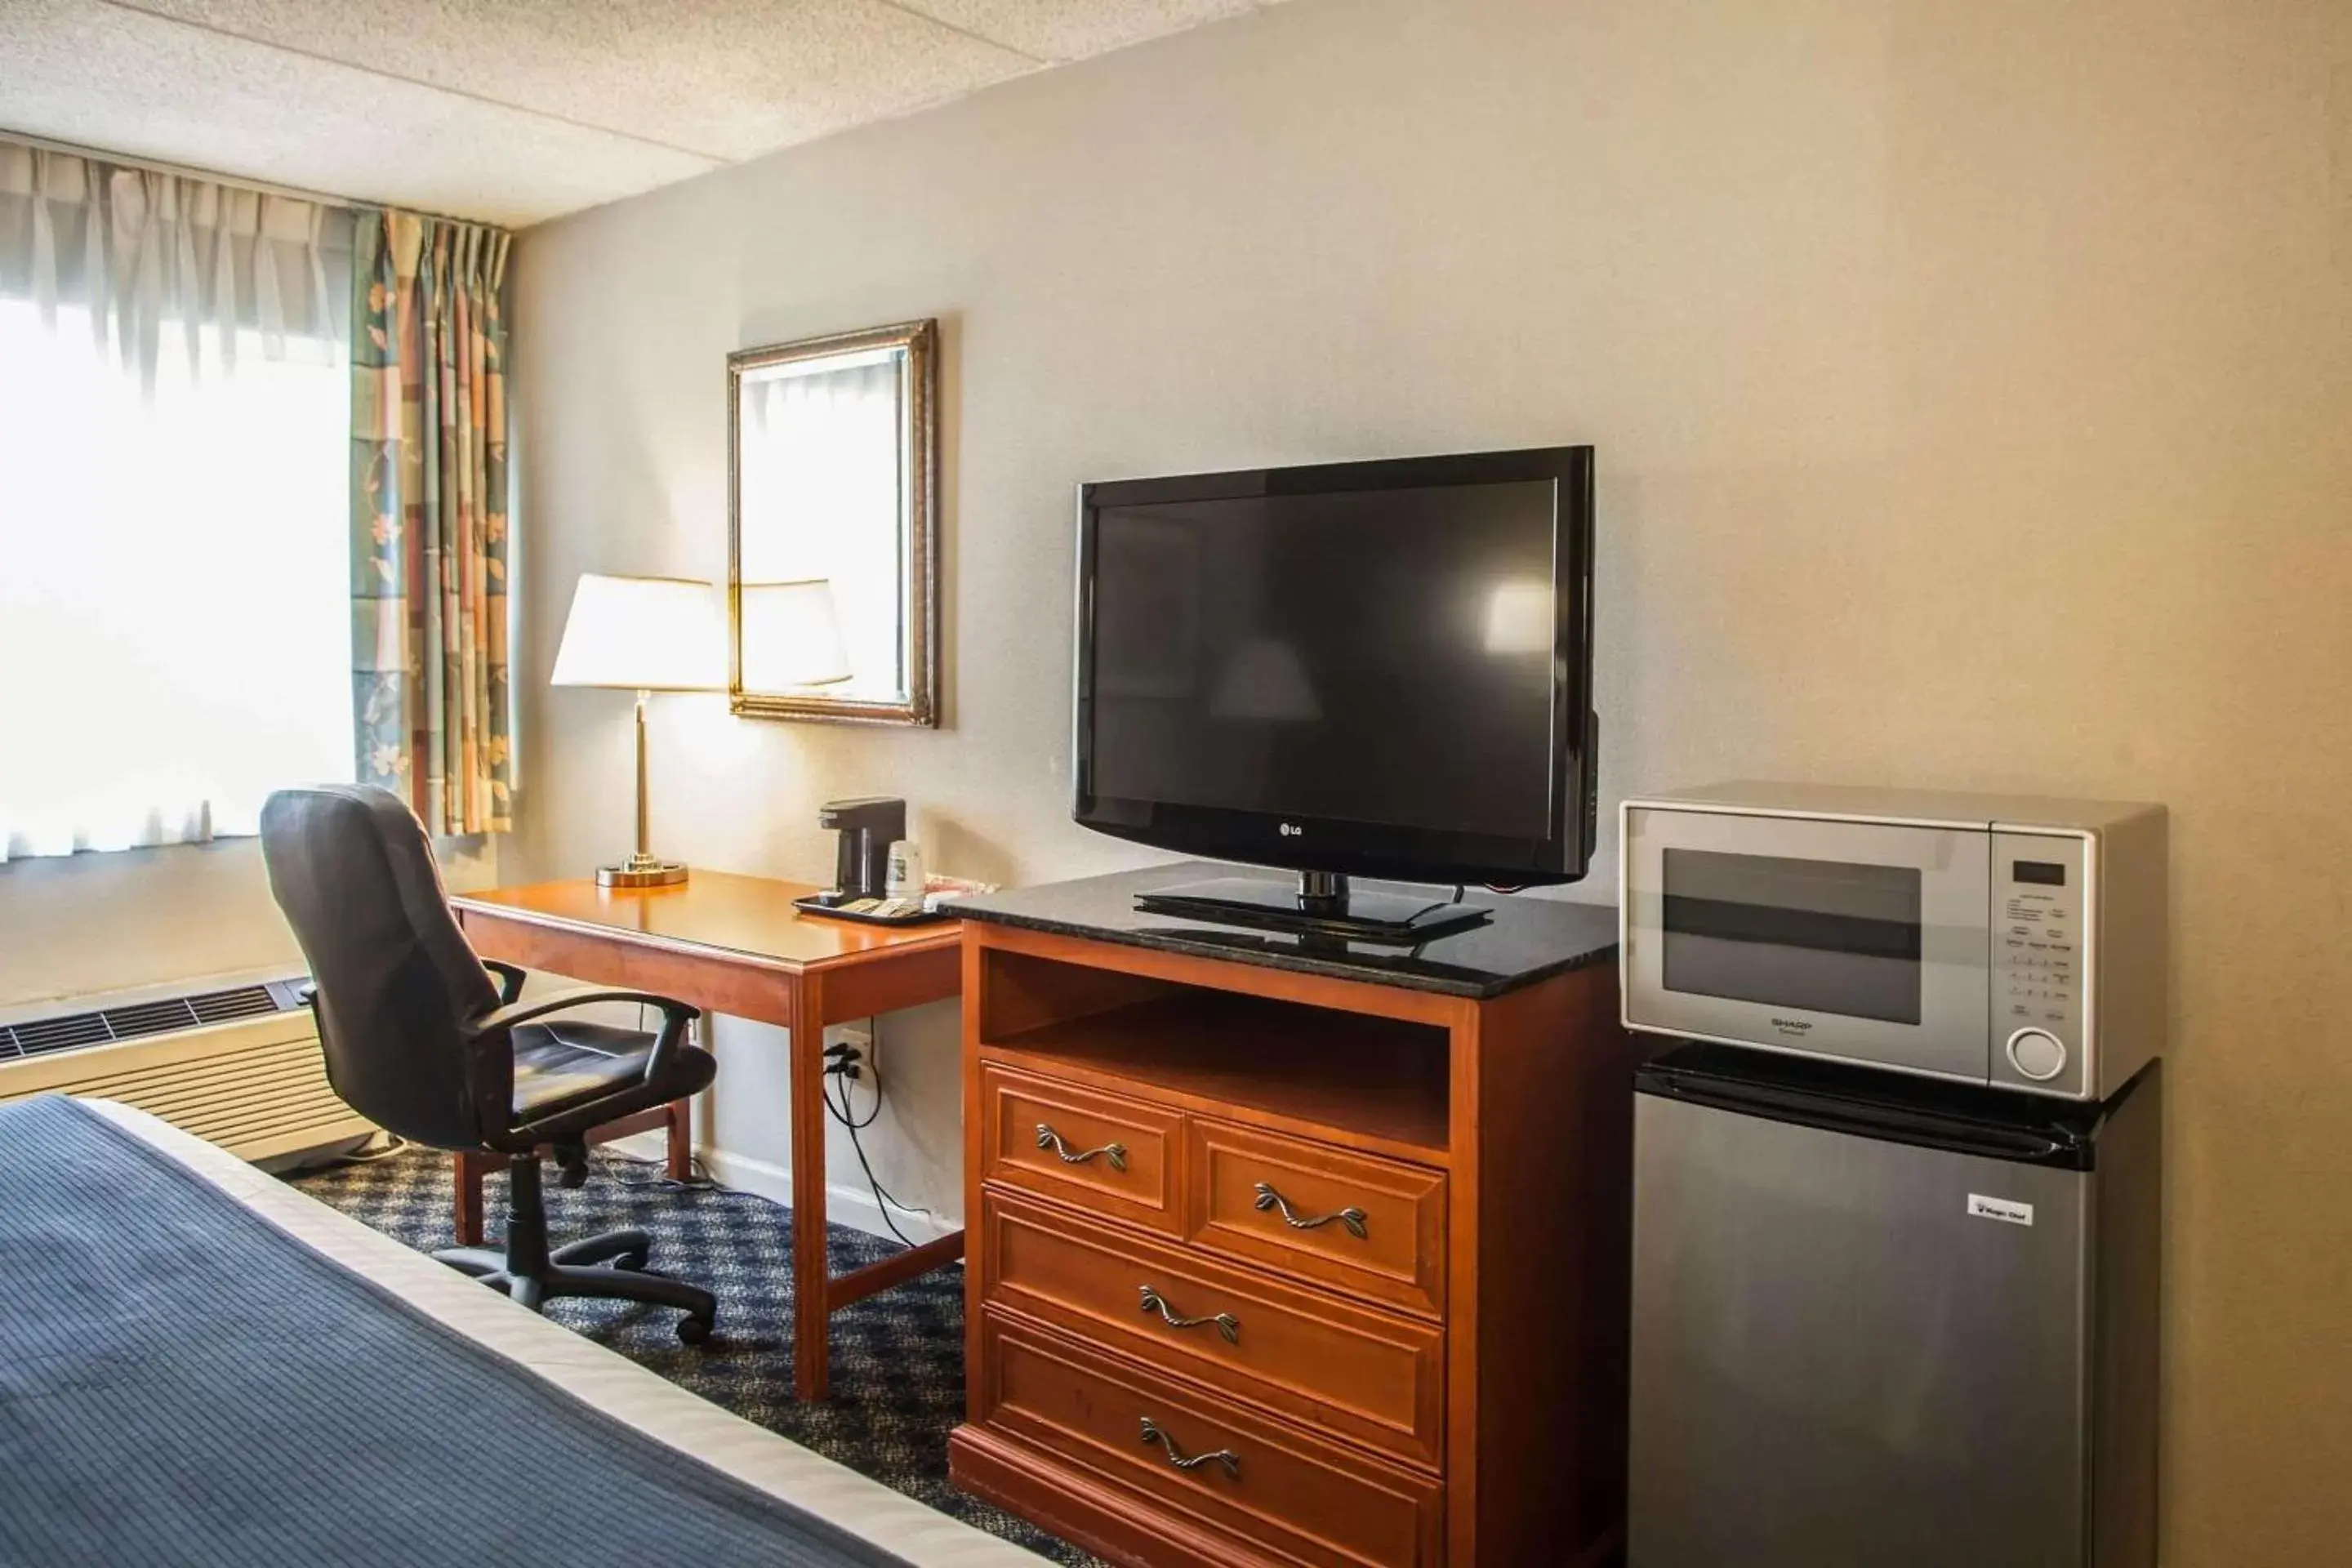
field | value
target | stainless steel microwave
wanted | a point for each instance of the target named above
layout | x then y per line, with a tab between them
1999	940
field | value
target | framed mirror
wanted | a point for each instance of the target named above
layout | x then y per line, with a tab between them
833	483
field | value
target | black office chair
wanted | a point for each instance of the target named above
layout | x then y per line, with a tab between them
418	1040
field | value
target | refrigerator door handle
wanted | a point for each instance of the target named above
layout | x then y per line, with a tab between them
1889	1124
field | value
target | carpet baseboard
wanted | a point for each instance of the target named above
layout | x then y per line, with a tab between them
853	1207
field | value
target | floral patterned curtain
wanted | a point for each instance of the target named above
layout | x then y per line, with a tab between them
430	517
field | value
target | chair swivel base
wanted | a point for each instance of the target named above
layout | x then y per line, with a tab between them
618	1281
604	1267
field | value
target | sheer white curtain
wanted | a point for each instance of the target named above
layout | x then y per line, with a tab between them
174	452
820	458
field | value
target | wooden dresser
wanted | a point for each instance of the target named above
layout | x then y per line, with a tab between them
1280	1255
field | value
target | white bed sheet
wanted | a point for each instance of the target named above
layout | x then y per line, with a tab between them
608	1380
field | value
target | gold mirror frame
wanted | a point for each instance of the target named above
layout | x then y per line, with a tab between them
918	449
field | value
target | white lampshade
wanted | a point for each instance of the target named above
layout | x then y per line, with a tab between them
791	635
643	634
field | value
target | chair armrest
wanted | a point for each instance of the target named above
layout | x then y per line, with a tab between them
513	1012
511	979
675	1017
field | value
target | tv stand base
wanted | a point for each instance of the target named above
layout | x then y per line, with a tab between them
1319	904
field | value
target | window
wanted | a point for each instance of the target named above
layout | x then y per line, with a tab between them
174	581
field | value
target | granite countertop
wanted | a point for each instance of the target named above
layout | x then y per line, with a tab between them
1524	940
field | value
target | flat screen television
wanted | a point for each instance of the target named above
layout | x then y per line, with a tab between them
1376	669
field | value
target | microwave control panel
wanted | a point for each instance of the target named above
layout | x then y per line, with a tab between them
2039	967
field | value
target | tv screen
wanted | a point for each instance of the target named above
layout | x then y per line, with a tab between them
1369	667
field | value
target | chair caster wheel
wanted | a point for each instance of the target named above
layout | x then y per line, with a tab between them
635	1262
693	1331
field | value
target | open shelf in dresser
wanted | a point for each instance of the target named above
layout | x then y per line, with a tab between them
1378	1081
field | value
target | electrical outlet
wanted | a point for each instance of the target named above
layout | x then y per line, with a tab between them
860	1038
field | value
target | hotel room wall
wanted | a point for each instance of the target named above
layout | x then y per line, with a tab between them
1972	384
74	926
184	917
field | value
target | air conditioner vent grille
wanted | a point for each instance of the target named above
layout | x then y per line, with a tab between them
59	1034
72	1031
245	1002
150	1019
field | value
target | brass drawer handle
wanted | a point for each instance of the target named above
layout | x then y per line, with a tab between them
1231	1461
1049	1139
1227	1324
1268	1198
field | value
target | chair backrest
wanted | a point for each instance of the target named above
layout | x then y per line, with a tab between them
397	986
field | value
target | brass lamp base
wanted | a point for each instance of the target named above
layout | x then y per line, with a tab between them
641	871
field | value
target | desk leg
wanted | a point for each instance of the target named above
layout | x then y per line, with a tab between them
812	1313
680	1115
466	1169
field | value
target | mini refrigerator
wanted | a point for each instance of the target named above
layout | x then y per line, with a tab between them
1882	1321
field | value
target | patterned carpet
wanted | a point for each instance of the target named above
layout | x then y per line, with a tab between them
898	1358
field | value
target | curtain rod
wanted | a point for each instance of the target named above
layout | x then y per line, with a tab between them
160	166
189	172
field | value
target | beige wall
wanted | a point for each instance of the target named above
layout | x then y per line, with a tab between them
1973	389
72	926
176	917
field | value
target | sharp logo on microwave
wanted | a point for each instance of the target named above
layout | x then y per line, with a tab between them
1290	829
1791	1025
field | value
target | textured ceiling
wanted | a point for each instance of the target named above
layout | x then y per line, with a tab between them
517	110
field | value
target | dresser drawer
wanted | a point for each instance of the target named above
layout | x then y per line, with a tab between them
1357	1372
1111	1154
1282	1491
1373	1228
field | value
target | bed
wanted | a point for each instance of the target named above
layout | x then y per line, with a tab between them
200	1364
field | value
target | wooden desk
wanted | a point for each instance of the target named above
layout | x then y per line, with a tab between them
735	945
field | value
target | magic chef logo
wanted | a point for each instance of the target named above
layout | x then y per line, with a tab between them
1791	1025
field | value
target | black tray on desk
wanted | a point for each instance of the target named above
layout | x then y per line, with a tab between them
822	905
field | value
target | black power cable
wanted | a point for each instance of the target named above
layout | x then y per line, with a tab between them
655	1172
361	1155
847	1064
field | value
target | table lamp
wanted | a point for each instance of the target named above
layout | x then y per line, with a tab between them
644	634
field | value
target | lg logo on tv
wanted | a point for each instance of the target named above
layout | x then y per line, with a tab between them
1289	829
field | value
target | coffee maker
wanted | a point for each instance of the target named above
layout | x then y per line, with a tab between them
868	825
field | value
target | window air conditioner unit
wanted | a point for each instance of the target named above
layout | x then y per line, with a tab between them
239	1068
